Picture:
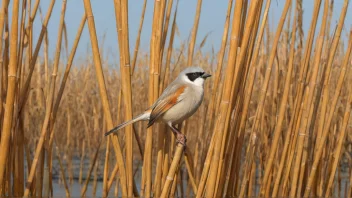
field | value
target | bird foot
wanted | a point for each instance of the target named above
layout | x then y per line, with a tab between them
181	139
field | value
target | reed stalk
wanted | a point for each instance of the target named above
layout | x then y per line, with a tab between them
269	69
127	93
327	73
159	12
32	63
10	95
94	190
165	81
106	169
329	120
238	105
206	167
81	162
21	45
2	21
62	170
169	52
103	94
224	102
304	70
18	135
136	47
302	76
172	171
313	108
194	33
239	136
113	175
3	9
255	7
65	77
308	98
189	166
167	20
91	167
341	139
174	186
49	102
211	106
282	110
155	61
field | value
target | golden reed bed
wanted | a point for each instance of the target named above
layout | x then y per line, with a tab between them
275	120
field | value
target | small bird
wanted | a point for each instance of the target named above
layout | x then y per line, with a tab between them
179	101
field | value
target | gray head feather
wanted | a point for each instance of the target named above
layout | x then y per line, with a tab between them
191	69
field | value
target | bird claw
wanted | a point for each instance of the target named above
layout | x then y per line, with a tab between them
181	139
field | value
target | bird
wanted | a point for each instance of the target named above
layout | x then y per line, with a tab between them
179	101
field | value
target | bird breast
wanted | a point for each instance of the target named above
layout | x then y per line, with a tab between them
190	101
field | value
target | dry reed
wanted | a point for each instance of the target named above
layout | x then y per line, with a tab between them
274	120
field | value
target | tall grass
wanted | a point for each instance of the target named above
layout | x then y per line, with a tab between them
274	120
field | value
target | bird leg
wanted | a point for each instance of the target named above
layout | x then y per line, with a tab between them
180	138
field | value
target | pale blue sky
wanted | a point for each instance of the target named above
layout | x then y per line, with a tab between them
212	20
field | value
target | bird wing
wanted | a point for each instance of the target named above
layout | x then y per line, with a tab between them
172	95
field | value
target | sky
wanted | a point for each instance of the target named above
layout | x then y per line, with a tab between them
211	21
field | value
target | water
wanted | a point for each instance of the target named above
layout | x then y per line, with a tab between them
75	189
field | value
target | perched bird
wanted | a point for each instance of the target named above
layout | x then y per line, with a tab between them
177	103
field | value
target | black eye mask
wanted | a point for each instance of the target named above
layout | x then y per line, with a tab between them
194	75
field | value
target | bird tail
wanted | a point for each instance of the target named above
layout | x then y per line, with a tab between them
144	116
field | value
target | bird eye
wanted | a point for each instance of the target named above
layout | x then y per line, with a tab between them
194	75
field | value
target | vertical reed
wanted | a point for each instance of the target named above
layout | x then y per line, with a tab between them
194	33
329	119
10	95
49	102
136	47
172	171
103	94
307	102
126	89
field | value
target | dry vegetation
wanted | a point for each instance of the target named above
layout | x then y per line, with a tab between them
274	122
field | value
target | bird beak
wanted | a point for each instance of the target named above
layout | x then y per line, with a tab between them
205	75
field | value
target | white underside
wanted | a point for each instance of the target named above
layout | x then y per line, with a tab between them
185	108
